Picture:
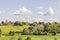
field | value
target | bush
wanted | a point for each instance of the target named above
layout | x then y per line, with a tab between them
0	31
55	38
53	33
19	38
28	38
12	38
36	32
11	33
26	32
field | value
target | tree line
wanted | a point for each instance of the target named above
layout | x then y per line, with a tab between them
40	28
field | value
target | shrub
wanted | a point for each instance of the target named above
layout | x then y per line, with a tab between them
0	31
36	32
11	33
28	38
12	38
55	38
26	32
19	38
54	33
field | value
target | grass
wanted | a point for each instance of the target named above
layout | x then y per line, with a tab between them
6	29
33	37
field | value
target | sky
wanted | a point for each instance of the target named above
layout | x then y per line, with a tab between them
30	10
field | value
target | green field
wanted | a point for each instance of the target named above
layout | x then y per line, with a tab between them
33	37
6	29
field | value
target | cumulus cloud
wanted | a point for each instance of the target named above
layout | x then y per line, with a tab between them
22	10
50	11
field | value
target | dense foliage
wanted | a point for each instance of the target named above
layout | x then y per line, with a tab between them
42	28
35	28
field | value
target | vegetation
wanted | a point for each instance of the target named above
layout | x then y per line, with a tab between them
33	37
55	39
14	29
17	23
28	38
11	33
34	28
19	38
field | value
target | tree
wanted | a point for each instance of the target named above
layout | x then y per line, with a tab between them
18	23
26	31
2	22
40	27
33	24
50	27
36	32
25	23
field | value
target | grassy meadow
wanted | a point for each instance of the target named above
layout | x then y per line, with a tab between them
6	29
33	37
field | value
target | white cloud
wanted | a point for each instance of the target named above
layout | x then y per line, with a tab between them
38	19
54	20
2	12
40	7
22	10
41	13
24	20
58	3
50	11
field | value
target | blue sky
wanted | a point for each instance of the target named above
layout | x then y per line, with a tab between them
30	10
